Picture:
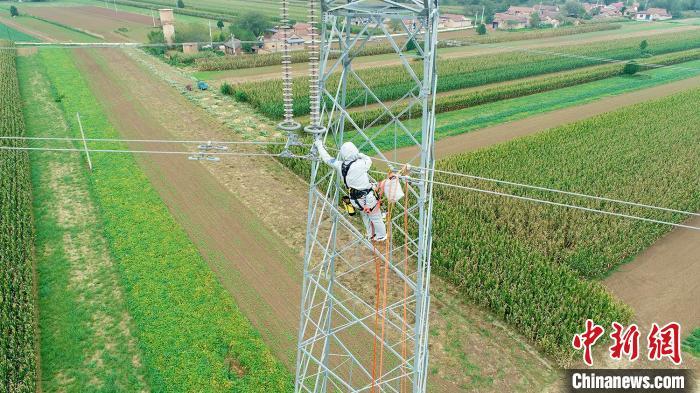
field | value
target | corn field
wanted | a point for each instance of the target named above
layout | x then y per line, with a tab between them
17	356
391	83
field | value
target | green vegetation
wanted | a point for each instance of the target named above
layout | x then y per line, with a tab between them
480	116
190	332
87	339
13	11
521	259
691	343
507	36
8	33
391	83
531	264
17	316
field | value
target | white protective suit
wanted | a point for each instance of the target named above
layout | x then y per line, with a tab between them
358	179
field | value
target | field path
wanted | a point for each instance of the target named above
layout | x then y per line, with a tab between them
661	284
233	216
505	132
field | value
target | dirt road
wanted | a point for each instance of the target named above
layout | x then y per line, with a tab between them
505	132
661	284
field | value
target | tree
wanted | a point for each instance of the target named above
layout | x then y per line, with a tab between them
255	22
481	29
395	25
191	32
643	47
631	68
243	35
13	11
535	20
574	8
220	24
180	4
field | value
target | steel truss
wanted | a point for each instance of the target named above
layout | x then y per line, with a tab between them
365	306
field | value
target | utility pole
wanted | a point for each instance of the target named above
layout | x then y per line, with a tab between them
211	38
483	11
115	7
153	17
365	305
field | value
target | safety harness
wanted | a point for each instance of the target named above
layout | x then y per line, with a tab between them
355	195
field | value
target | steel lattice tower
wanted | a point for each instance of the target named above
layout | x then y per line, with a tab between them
365	306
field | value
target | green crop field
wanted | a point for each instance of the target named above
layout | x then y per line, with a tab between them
492	247
535	266
472	118
190	332
17	353
270	8
8	33
391	83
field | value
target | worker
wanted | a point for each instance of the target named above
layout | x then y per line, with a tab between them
353	168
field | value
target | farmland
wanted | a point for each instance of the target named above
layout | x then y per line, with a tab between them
462	73
153	272
17	352
205	317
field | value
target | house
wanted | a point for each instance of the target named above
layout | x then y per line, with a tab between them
519	11
454	21
504	20
231	47
275	42
653	14
190	48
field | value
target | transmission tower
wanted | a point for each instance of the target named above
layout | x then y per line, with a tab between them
365	305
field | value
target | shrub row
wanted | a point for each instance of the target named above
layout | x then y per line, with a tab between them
190	331
17	332
390	83
543	33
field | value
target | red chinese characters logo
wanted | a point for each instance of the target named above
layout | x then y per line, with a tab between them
625	342
587	339
665	342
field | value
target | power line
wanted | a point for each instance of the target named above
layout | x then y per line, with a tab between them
29	138
588	209
552	190
50	149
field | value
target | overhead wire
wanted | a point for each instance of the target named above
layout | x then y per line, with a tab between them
125	151
540	188
28	138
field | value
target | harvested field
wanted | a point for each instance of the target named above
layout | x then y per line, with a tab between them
100	21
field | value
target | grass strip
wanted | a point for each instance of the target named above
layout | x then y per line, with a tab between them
190	331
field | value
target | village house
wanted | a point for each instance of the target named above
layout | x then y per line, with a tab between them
504	20
454	21
518	17
273	40
653	14
231	47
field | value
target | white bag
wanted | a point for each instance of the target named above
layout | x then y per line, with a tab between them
392	189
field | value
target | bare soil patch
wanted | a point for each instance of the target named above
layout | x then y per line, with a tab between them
95	20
